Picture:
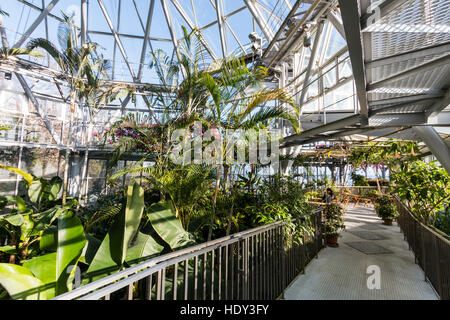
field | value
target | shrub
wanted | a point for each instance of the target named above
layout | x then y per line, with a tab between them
334	222
385	208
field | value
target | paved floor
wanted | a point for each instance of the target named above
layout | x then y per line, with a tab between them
341	273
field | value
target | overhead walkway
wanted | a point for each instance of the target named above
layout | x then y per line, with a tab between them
342	273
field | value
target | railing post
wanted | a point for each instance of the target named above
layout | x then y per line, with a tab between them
283	260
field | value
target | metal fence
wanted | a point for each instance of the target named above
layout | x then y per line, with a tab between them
431	250
256	264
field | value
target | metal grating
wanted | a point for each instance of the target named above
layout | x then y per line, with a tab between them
414	24
368	247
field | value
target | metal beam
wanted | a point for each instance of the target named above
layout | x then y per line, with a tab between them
258	18
405	99
35	24
441	48
172	32
282	28
312	60
284	48
435	143
222	32
144	44
116	37
400	105
410	72
350	19
337	22
331	126
35	102
439	105
397	120
84	21
191	25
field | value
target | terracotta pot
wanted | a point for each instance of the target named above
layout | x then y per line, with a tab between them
332	240
387	222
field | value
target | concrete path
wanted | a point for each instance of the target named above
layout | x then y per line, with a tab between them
341	273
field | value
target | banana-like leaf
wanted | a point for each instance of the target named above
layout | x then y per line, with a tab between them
166	224
91	247
26	228
35	190
49	239
143	248
16	220
20	283
26	176
44	268
21	206
54	187
8	249
131	220
113	250
71	241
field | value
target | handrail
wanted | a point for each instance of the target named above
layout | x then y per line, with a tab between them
432	229
431	249
130	275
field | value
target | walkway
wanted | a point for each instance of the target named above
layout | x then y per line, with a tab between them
340	273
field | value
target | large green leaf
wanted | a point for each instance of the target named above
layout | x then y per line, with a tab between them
128	222
112	252
143	248
91	247
103	263
44	268
35	190
16	220
26	176
20	283
168	227
26	228
8	249
49	239
71	241
54	187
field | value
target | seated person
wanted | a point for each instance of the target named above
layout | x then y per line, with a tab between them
328	196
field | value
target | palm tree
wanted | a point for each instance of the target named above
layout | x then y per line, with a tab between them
238	101
73	60
226	94
96	95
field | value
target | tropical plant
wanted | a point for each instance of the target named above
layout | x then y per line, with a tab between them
334	219
73	60
424	187
359	180
385	208
29	223
443	220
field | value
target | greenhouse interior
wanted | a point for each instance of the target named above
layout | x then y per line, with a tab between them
225	150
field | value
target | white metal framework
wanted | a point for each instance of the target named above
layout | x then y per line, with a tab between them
377	68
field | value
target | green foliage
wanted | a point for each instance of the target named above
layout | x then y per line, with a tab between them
443	220
424	187
385	208
334	219
359	180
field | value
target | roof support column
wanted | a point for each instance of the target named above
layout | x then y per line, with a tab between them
435	143
350	13
84	22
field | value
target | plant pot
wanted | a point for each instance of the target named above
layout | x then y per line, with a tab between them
387	222
332	240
